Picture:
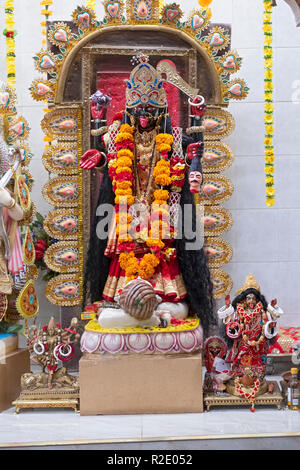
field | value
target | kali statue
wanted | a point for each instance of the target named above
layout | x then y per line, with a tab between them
250	325
151	175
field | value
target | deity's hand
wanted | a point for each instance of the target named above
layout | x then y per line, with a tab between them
90	159
227	300
5	198
198	110
97	113
274	302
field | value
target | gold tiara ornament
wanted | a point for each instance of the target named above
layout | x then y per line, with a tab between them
145	86
250	283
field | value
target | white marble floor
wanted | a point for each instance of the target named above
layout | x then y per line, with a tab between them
44	427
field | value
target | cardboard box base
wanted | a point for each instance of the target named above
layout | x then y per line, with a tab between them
12	367
111	385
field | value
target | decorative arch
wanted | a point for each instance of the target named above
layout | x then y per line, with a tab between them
218	92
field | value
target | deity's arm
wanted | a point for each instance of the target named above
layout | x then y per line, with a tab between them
274	312
96	157
15	212
195	150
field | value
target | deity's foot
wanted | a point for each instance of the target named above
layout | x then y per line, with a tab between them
117	318
178	310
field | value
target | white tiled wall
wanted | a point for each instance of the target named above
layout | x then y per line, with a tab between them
265	240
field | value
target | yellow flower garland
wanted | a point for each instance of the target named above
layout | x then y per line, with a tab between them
91	4
145	268
46	13
10	33
269	107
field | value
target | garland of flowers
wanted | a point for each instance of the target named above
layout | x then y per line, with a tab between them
10	34
205	4
161	6
46	12
249	396
269	107
121	173
91	4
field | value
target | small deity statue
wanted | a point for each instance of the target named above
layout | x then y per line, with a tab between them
218	371
49	346
147	173
250	324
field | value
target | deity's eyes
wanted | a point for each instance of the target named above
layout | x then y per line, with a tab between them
251	297
195	175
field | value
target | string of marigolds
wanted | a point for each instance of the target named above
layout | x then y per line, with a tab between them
91	4
10	34
269	107
46	13
165	173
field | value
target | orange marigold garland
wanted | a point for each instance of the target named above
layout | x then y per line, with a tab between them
120	170
10	34
46	13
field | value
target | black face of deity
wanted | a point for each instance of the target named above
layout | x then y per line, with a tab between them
146	117
251	301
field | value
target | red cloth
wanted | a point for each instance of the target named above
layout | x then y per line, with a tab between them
285	339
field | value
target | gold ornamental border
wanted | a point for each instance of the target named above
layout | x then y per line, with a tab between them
218	92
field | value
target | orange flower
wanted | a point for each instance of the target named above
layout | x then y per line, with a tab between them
123	136
123	192
127	129
161	194
164	148
124	161
124	200
124	184
164	139
163	180
151	242
125	153
122	169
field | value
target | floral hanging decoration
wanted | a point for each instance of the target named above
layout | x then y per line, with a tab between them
269	107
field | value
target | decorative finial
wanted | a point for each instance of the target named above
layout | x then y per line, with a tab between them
250	283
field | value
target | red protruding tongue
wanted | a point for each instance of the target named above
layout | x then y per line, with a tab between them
144	121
